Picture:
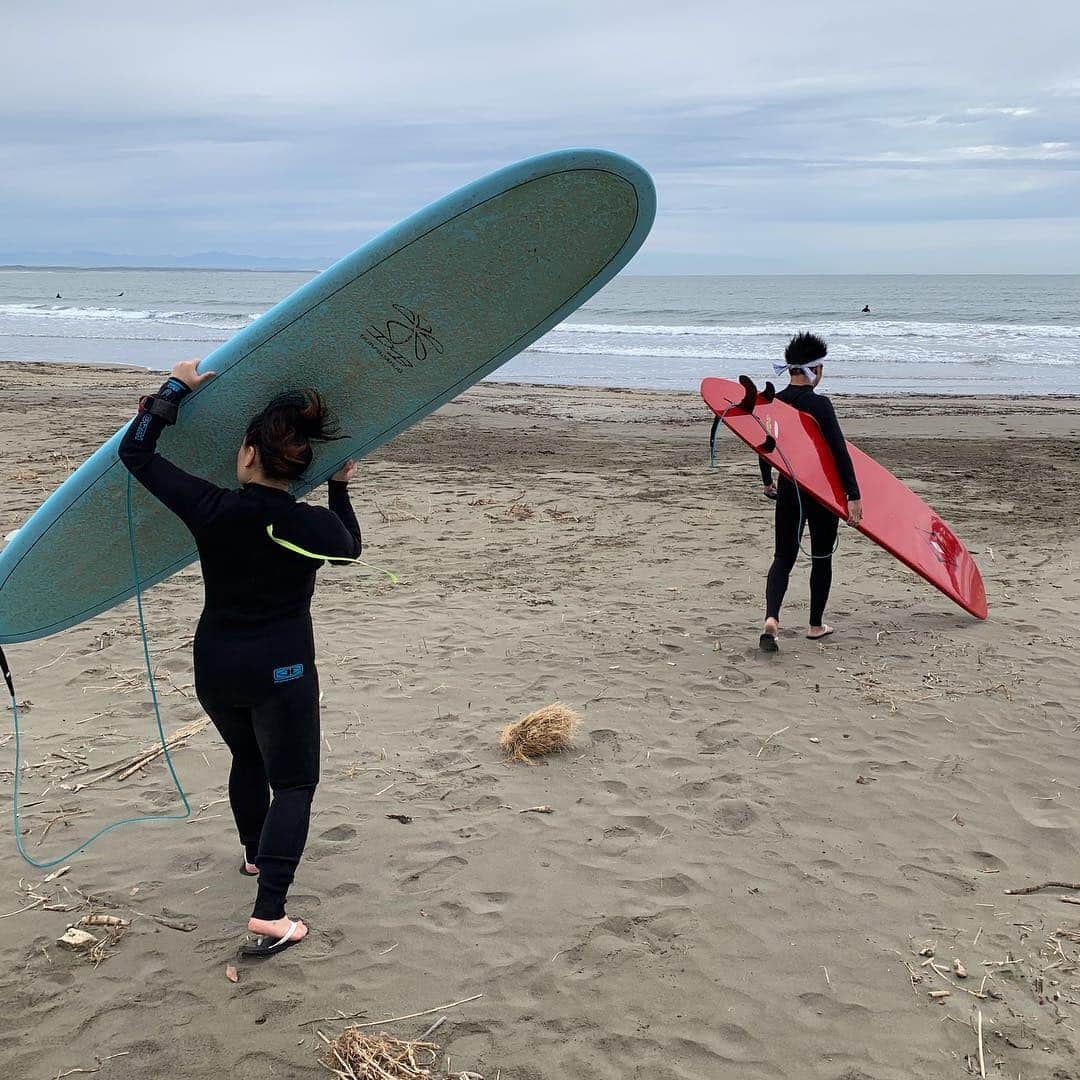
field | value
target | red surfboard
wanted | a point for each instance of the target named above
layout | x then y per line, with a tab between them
894	517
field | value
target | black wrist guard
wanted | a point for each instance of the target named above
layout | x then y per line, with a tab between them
158	406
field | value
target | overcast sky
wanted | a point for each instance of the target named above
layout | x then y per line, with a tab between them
824	136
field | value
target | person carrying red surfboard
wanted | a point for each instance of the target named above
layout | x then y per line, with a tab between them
795	509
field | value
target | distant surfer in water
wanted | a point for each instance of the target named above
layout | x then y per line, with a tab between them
803	362
254	651
866	309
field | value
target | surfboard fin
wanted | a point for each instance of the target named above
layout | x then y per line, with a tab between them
769	392
749	398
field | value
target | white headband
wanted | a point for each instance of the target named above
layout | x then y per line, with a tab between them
806	369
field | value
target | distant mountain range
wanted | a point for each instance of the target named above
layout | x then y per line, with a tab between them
202	260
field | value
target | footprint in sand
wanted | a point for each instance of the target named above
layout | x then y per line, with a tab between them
734	816
338	832
950	884
438	872
985	861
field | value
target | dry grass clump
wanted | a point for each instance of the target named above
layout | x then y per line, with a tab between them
359	1055
547	731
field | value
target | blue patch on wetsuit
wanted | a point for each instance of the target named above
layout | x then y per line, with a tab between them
288	674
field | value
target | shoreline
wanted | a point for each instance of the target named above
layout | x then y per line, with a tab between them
65	365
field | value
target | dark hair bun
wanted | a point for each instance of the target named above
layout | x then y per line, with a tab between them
284	431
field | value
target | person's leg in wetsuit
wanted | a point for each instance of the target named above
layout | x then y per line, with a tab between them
249	789
275	747
785	554
823	528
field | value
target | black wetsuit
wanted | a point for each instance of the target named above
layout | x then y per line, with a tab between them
254	649
822	522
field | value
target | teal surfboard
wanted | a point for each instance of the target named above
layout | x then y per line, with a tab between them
388	334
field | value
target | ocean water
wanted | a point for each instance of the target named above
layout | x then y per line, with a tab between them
924	334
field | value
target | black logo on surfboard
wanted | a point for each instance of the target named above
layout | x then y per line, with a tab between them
404	341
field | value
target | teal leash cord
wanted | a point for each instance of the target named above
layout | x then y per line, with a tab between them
157	714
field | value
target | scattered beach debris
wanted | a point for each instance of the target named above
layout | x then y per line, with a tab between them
515	512
94	919
761	748
392	1019
1029	889
29	907
136	762
403	818
100	1064
357	1055
546	731
231	973
94	948
538	810
183	925
403	512
76	939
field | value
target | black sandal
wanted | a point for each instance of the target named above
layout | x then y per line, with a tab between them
265	946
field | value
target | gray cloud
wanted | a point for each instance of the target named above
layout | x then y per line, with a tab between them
832	137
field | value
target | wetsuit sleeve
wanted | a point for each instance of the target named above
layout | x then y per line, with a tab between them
338	495
830	428
192	499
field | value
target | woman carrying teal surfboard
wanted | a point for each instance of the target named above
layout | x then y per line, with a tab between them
254	650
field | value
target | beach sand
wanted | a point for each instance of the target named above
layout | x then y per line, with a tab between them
747	855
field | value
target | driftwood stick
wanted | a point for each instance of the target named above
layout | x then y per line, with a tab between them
394	1019
7	915
1028	890
133	763
434	1027
97	1068
172	924
770	739
144	761
982	1060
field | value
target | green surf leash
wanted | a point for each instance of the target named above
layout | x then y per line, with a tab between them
296	550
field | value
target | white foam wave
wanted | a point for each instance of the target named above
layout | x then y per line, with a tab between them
894	328
867	354
221	320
